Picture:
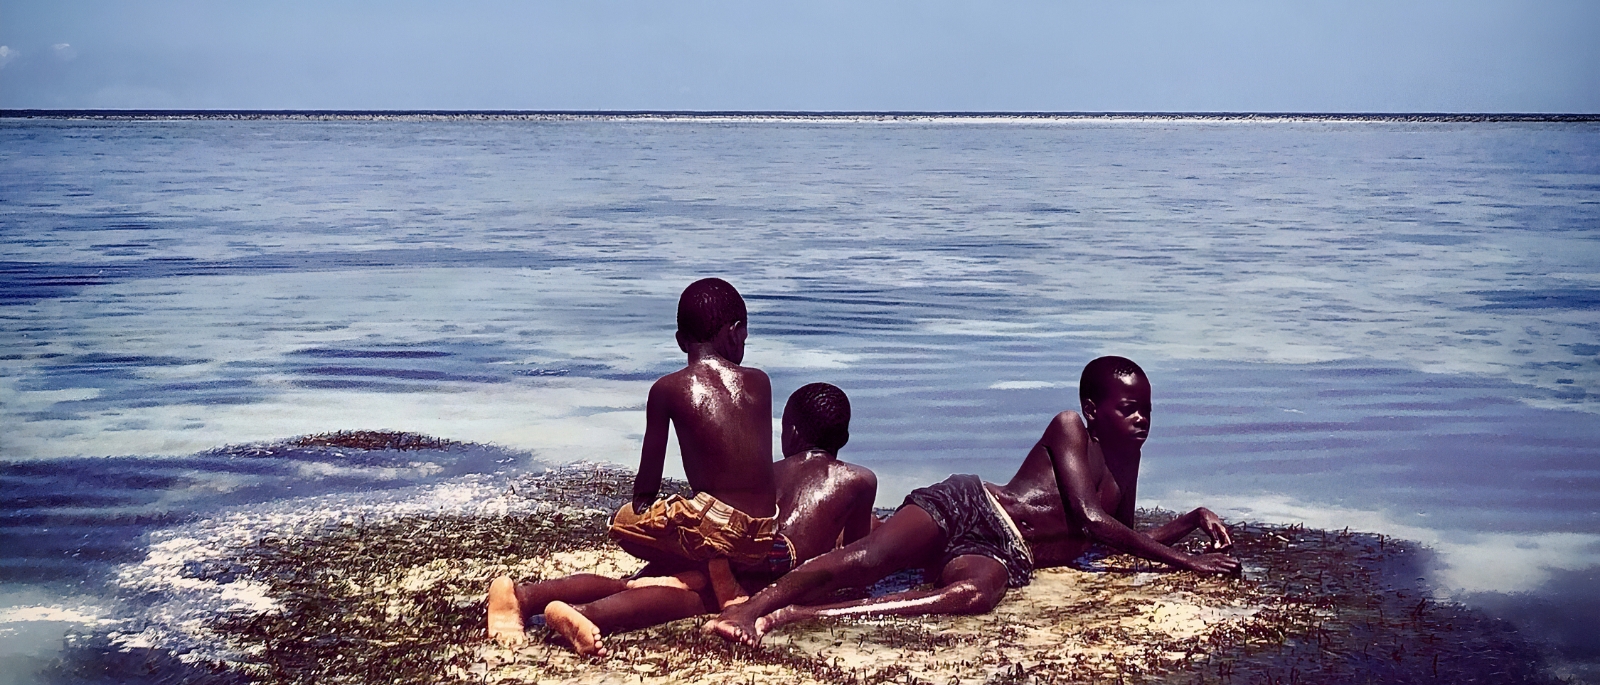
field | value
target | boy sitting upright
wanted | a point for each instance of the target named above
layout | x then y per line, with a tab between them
722	413
824	502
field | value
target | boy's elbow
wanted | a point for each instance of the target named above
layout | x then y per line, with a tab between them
1100	526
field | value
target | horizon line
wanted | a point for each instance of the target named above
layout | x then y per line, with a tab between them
140	113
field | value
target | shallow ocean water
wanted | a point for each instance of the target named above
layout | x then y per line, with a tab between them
1380	325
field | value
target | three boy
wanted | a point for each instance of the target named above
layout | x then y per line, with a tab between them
976	539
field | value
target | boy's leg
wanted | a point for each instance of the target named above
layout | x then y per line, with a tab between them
908	538
969	584
723	585
577	588
511	604
685	580
583	625
505	613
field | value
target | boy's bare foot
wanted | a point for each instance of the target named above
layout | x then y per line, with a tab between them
723	584
688	580
735	624
580	632
505	613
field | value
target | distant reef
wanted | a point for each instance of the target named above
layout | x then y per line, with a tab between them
780	116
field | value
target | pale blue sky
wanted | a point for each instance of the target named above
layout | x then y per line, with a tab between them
1133	55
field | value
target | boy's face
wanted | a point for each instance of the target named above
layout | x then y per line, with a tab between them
1122	415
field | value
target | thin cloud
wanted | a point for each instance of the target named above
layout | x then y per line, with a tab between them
6	55
63	51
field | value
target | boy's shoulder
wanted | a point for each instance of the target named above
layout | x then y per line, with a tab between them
678	377
755	375
675	383
854	475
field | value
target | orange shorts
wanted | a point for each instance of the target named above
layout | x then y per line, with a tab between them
701	529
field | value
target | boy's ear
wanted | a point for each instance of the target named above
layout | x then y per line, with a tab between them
683	342
1088	419
734	333
1088	411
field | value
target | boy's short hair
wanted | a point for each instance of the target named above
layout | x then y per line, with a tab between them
706	306
822	413
1098	374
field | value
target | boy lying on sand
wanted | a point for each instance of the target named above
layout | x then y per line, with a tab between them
823	501
977	539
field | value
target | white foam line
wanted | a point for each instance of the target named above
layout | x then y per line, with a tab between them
57	614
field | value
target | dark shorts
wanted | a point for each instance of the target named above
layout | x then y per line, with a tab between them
974	524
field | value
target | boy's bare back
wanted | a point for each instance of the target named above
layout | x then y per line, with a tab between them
824	502
721	413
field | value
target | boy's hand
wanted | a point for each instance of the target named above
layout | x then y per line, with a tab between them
1215	528
1213	563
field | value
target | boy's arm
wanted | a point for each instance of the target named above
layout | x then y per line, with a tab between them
1201	518
653	456
1066	442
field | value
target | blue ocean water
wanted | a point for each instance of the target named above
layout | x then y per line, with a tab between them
1382	325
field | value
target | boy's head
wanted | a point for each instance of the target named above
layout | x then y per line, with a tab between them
1115	395
711	311
817	416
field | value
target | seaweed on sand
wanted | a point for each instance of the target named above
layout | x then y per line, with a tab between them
374	440
401	601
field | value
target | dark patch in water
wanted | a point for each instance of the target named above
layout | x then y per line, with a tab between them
94	660
64	519
1561	614
371	354
404	374
28	282
1575	299
1431	239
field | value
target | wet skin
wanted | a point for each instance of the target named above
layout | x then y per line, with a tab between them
817	491
721	413
822	500
1075	486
